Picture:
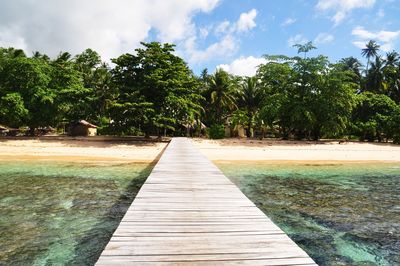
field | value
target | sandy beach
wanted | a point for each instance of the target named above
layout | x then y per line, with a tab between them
215	150
275	150
82	150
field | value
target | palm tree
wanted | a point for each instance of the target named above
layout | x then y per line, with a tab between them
304	48
103	91
392	74
353	65
371	50
376	78
252	95
222	92
392	59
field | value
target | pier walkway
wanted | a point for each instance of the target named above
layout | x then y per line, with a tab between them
188	212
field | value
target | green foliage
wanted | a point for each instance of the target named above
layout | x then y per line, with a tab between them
157	89
306	97
12	109
216	131
153	92
304	48
373	116
220	94
251	96
30	78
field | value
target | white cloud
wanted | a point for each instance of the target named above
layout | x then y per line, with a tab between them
204	32
289	21
359	44
324	38
110	27
244	66
224	47
342	8
222	27
246	21
228	35
383	35
386	38
297	39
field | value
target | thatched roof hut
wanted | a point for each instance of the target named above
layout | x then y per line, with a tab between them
82	128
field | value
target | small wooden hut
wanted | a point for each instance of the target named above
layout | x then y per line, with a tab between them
82	128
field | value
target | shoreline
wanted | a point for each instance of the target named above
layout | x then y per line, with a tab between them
304	162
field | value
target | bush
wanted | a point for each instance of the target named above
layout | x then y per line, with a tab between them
216	132
396	139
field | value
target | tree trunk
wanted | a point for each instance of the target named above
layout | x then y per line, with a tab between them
316	133
285	134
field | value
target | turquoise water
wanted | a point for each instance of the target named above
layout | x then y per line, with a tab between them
340	214
61	213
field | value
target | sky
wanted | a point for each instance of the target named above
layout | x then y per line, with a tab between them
229	34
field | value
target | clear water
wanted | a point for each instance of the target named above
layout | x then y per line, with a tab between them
345	214
61	213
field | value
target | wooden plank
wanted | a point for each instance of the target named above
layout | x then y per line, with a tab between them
188	212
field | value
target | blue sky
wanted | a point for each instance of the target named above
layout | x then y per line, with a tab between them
232	34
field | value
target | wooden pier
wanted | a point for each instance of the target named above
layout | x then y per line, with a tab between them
188	212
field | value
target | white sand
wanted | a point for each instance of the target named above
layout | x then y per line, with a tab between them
216	150
255	150
80	150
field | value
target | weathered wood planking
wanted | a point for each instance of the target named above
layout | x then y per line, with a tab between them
188	212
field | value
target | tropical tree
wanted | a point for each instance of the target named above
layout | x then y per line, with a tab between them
159	82
13	112
277	81
307	97
376	79
391	72
28	80
373	116
392	59
72	96
371	50
353	65
251	96
305	48
222	91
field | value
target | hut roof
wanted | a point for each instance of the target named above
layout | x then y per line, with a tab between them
85	123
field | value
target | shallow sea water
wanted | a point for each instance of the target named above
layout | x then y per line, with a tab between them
63	213
340	214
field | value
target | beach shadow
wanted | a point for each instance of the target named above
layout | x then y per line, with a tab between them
237	142
93	142
264	142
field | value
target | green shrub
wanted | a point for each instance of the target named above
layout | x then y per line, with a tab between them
216	132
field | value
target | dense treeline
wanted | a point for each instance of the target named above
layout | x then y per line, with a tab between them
153	92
